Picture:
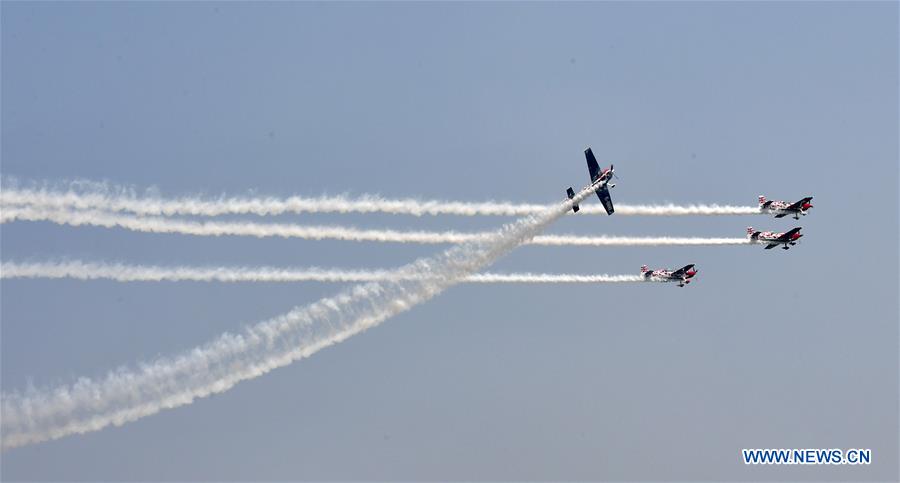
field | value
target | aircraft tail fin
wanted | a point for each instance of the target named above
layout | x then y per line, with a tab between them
571	193
751	233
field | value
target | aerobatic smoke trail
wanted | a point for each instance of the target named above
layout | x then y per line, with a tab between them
105	198
143	273
239	228
311	232
127	394
634	241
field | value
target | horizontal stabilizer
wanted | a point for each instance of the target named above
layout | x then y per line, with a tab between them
571	193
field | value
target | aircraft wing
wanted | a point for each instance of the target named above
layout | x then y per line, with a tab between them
786	236
681	271
771	245
799	204
603	194
593	167
781	215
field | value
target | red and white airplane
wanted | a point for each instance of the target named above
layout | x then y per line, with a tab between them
782	208
683	275
774	239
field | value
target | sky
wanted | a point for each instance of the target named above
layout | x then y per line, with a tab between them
713	102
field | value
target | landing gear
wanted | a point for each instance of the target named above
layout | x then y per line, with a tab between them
785	247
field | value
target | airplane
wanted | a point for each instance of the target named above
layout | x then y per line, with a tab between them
774	239
683	275
783	208
599	181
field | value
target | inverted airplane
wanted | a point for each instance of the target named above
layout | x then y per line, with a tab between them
599	181
683	275
786	239
782	208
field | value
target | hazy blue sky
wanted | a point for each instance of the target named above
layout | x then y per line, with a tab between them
693	102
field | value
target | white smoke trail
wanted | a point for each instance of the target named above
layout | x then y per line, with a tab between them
551	278
311	232
678	210
81	270
127	394
105	198
634	241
